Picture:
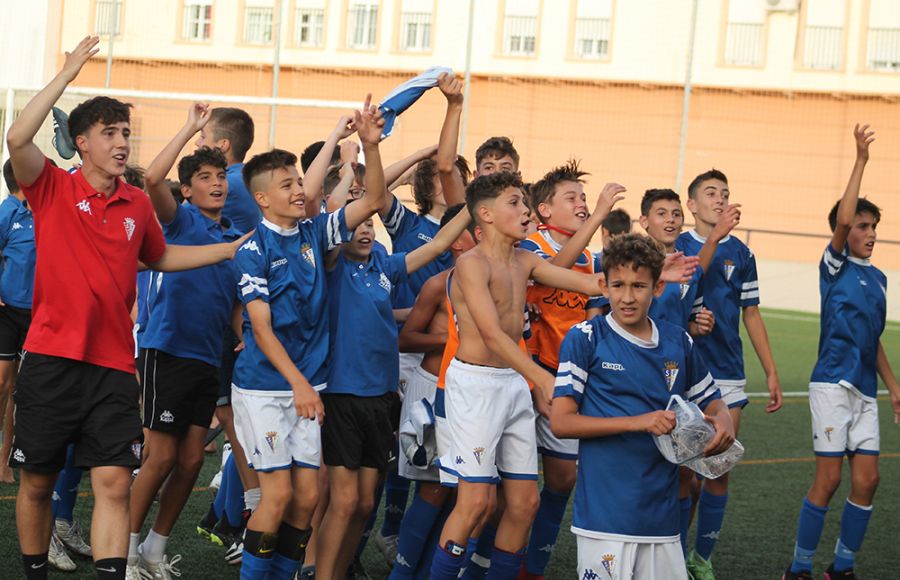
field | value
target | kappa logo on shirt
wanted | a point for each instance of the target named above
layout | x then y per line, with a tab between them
129	227
585	327
251	246
19	455
611	366
277	263
589	574
424	238
167	417
85	206
17	226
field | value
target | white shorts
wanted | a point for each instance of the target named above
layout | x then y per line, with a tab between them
490	422
442	436
732	393
551	445
409	362
420	385
272	434
612	560
842	421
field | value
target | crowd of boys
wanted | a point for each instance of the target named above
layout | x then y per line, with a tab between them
341	372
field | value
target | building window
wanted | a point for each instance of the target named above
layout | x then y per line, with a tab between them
592	28
309	28
197	20
824	34
258	21
883	43
109	14
415	25
745	33
362	24
520	27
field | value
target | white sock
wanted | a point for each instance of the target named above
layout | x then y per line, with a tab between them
133	541
153	549
251	498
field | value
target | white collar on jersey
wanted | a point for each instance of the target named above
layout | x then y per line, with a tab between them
553	243
432	219
702	240
280	230
617	328
860	261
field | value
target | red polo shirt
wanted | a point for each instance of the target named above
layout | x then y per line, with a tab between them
88	249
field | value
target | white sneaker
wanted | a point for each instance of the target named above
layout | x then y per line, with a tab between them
215	483
164	570
234	555
72	538
57	555
387	545
134	572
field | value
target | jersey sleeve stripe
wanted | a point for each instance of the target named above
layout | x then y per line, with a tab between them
700	387
749	295
570	367
569	381
750	285
392	223
705	397
250	284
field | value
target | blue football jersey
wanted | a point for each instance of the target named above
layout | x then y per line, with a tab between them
286	269
730	284
625	487
854	305
408	231
679	302
18	253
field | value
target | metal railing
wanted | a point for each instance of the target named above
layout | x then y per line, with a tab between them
883	49
108	17
822	47
197	21
362	20
519	35
258	25
309	30
592	37
415	31
744	44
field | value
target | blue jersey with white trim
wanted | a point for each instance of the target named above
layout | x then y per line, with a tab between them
408	231
854	306
625	486
286	269
679	302
18	253
729	285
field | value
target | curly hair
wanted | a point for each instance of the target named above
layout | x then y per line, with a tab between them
489	187
637	251
104	110
543	190
191	164
423	181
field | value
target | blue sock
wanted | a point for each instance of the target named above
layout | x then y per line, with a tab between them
66	491
283	568
219	500
854	522
481	559
396	492
710	514
809	531
417	525
684	506
431	543
472	571
254	567
234	496
545	530
445	565
505	565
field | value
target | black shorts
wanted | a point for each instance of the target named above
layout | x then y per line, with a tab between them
357	431
14	323
178	392
61	401
226	369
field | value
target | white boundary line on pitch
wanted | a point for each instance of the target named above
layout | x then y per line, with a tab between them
794	394
814	318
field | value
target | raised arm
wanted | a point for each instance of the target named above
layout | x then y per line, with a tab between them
441	242
306	400
414	336
177	258
472	275
314	178
395	170
847	208
729	219
451	180
756	330
369	124
338	196
27	159
155	177
568	254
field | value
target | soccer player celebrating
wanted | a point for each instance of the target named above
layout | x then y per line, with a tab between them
91	230
730	290
843	386
614	379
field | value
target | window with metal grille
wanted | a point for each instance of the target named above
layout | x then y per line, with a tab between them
309	28
258	24
197	20
883	41
745	40
823	39
362	24
592	21
108	17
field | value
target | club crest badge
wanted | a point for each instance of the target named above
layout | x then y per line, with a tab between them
729	269
685	288
271	438
478	452
671	372
609	563
307	252
828	432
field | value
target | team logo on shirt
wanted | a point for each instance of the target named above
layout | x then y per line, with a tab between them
589	574
566	299
609	562
585	327
166	417
17	226
129	227
85	206
684	290
671	372
611	366
478	452
307	252
384	282
136	449
19	456
251	246
271	438
729	269
828	432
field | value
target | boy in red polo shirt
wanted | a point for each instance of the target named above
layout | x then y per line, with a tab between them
76	383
